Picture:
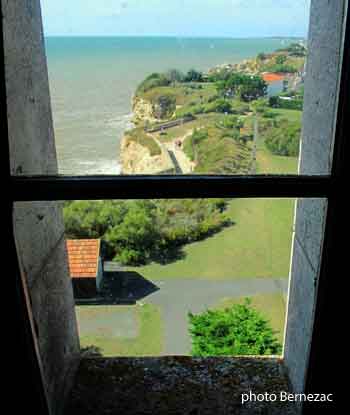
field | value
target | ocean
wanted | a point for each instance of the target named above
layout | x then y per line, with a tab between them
93	79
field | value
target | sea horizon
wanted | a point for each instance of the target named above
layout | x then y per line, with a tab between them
93	80
176	37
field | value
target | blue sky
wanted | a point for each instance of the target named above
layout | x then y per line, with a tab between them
222	18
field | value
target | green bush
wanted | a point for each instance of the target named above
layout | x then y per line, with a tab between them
193	76
153	81
284	138
282	68
239	330
199	135
291	104
245	87
164	106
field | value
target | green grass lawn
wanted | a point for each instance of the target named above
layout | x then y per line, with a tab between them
258	245
268	163
184	94
291	115
271	306
149	339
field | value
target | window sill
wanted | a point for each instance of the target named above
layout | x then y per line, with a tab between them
178	385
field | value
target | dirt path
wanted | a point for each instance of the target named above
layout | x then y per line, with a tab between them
182	163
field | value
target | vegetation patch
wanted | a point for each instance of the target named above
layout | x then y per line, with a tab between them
283	138
233	331
217	148
271	306
257	246
245	87
138	232
139	136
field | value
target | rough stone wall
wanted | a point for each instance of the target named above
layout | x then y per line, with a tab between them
321	90
39	228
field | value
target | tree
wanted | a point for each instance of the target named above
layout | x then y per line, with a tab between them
164	106
153	81
137	232
174	75
245	87
281	59
261	56
252	88
259	106
223	106
136	235
193	76
238	330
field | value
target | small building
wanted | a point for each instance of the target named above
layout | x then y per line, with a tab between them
275	83
85	266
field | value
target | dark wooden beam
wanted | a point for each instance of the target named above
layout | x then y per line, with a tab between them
164	187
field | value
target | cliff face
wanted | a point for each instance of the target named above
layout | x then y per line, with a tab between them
136	159
143	111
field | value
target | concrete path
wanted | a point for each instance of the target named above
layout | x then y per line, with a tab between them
177	297
183	165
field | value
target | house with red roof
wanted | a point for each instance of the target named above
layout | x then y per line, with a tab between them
85	266
275	82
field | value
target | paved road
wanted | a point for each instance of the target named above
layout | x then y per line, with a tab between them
177	297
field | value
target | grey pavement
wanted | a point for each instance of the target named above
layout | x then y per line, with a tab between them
177	297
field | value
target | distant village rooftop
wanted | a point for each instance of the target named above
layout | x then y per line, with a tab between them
270	77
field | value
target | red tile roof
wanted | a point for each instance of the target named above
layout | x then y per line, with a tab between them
83	257
270	77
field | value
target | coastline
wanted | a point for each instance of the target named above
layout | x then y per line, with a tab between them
136	155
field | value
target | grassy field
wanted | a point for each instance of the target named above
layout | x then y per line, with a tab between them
257	245
291	115
148	325
268	163
180	130
185	94
271	306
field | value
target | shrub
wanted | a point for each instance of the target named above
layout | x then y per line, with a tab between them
174	75
281	59
284	138
153	81
138	232
245	87
199	135
282	68
291	104
239	330
164	106
193	76
222	106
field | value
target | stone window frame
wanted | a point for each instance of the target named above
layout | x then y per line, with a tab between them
308	186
